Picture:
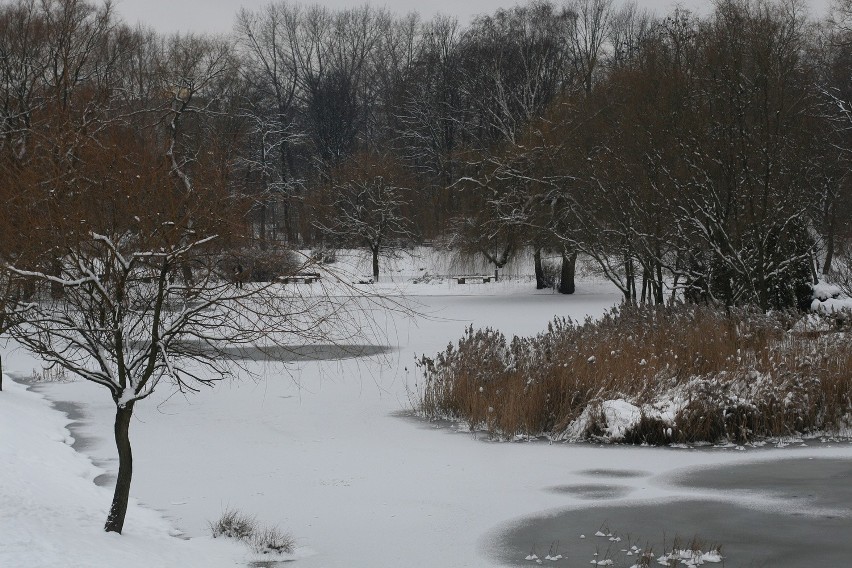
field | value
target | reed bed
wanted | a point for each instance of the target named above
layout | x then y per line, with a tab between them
692	374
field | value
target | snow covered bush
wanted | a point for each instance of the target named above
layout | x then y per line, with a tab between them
831	299
650	376
245	528
234	524
272	540
841	272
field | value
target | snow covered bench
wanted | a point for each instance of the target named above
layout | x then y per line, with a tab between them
303	277
482	279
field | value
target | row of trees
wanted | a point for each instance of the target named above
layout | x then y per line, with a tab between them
707	152
711	156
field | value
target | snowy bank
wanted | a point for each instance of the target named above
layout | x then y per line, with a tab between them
52	513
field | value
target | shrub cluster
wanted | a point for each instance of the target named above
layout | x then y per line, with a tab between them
692	374
245	528
256	265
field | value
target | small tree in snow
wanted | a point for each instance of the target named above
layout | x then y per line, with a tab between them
130	227
367	203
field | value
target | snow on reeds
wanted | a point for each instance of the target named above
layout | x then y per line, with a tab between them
653	375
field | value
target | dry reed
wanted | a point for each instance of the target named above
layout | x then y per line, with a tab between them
724	375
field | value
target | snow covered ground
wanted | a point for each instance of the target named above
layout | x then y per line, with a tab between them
321	449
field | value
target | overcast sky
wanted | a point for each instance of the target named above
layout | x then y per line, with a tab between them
218	15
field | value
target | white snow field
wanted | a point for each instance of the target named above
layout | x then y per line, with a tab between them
320	449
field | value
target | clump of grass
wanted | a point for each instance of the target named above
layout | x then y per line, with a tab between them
691	553
271	540
245	528
697	373
54	374
234	524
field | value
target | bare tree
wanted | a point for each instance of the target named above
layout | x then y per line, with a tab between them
267	43
126	320
114	200
588	36
368	206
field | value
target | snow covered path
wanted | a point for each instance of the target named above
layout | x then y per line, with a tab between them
321	451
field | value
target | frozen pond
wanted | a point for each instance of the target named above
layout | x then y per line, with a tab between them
320	352
295	353
787	513
317	448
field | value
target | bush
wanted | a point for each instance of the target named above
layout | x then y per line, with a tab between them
234	524
272	541
324	255
245	528
258	265
54	374
552	272
683	374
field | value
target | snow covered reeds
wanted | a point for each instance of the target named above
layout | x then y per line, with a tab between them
245	528
650	375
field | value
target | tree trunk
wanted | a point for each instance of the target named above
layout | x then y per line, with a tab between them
567	274
56	290
118	510
829	254
1	373
630	281
540	282
262	229
375	264
186	272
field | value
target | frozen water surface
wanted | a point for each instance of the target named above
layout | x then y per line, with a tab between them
314	445
789	513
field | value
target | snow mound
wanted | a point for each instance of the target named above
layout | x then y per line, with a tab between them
828	298
823	291
613	417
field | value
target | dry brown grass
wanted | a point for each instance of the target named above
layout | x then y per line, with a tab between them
735	375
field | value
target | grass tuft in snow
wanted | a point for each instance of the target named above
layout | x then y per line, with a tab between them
245	528
271	540
650	375
53	374
234	524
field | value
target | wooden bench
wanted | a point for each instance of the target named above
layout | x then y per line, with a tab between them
303	277
482	279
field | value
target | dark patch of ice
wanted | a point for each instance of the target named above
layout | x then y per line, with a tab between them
288	353
105	480
317	352
801	517
817	483
617	473
591	491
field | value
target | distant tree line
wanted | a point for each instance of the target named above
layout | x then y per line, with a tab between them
707	154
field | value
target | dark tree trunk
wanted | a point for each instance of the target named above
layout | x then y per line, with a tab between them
1	373
56	289
118	510
630	281
186	272
829	253
375	264
262	229
540	281
567	274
